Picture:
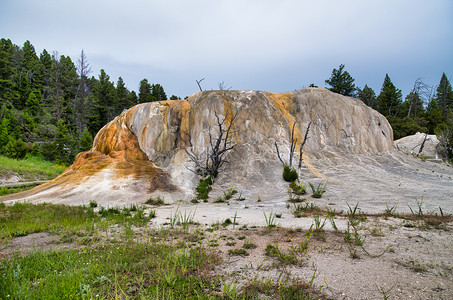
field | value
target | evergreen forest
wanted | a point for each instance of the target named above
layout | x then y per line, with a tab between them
51	107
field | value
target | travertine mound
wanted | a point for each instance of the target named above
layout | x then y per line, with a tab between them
139	152
411	144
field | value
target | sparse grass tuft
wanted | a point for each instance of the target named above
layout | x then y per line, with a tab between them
270	220
155	201
238	252
297	188
318	191
390	210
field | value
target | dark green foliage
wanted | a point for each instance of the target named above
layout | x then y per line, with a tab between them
150	92
404	126
341	82
367	95
238	252
389	99
125	100
63	144
155	201
15	149
144	91
204	188
158	93
412	106
39	91
444	95
4	132
444	133
289	174
86	142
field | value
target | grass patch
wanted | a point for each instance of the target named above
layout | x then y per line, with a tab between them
238	252
31	167
140	270
22	219
155	201
282	289
10	190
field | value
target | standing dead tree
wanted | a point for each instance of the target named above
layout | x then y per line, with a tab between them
215	159
292	147
199	85
419	96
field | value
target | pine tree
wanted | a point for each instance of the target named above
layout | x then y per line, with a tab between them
158	93
32	104
4	137
31	65
103	101
367	95
86	142
63	144
124	99
341	82
413	105
444	95
389	99
144	92
6	69
79	103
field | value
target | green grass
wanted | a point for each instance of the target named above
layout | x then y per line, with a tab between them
31	168
155	201
22	219
140	270
107	259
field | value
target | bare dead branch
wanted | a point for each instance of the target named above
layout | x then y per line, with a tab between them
278	153
216	159
198	82
292	146
423	144
302	145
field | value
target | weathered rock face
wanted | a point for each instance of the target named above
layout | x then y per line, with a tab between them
139	151
411	144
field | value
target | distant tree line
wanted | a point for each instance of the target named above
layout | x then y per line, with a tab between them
50	106
425	109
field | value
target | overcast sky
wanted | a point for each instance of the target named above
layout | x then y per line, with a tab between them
271	45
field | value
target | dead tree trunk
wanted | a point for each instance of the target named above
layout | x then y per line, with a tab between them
216	159
423	144
292	147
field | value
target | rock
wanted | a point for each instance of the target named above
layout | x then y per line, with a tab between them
411	145
139	152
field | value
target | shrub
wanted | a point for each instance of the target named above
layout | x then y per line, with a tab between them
15	149
298	188
290	174
155	201
204	188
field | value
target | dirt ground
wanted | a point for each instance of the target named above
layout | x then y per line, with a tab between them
400	259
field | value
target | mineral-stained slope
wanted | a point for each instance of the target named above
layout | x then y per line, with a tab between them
142	151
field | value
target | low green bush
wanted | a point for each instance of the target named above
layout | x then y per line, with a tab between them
204	188
289	174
